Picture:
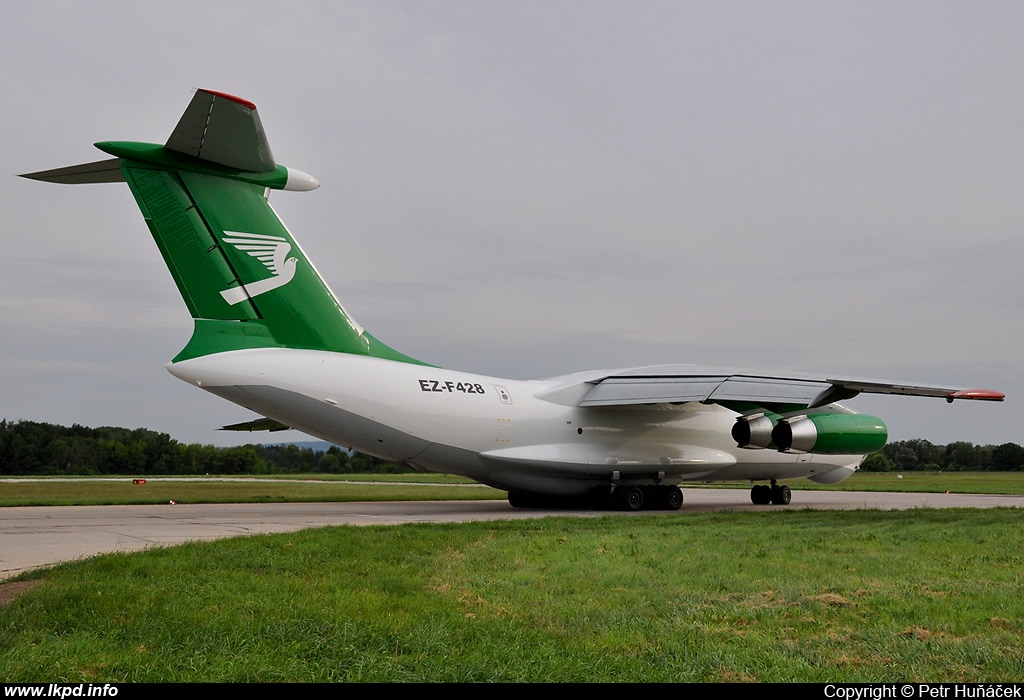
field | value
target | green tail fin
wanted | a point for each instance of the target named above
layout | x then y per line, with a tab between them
242	276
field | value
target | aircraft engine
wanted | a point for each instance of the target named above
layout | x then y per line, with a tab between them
830	434
754	432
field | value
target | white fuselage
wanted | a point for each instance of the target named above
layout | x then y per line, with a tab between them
515	435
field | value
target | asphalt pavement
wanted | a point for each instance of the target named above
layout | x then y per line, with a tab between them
32	537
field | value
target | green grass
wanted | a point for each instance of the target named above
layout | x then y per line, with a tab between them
906	482
923	595
121	491
59	491
929	482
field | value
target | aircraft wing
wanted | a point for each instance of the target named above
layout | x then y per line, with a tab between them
685	383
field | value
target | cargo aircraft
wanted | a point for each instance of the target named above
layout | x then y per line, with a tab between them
270	335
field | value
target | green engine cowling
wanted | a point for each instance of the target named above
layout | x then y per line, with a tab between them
830	434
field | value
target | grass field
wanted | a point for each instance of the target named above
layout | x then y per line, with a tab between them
369	487
121	491
925	595
928	482
855	596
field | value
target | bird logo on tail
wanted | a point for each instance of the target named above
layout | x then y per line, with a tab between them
269	250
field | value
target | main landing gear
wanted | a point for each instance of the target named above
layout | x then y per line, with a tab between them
763	494
621	498
647	498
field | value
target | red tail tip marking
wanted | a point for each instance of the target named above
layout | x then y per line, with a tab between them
233	98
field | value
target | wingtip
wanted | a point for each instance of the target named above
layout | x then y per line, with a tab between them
976	395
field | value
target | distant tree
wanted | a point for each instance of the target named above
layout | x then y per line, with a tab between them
960	456
877	462
902	456
334	461
28	447
1008	457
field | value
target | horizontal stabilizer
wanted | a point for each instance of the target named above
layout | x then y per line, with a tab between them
258	424
223	129
99	171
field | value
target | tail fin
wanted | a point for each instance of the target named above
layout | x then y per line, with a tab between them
242	276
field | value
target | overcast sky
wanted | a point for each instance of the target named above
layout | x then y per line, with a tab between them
527	189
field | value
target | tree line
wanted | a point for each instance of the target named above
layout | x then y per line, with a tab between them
921	455
30	448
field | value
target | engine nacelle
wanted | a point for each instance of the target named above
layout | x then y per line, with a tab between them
754	432
830	434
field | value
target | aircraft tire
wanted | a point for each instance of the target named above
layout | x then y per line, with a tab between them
673	498
518	499
633	499
781	495
600	499
760	494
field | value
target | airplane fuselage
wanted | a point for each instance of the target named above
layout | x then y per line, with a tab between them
514	435
270	335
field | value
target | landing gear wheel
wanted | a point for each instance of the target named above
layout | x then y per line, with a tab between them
634	498
760	494
781	495
599	498
673	498
522	499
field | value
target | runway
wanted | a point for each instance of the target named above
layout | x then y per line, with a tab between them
32	537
